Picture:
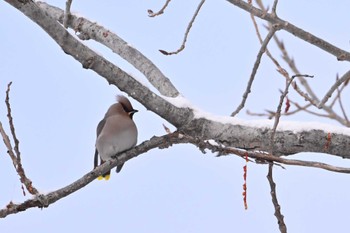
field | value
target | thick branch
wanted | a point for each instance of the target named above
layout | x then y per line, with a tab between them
250	135
90	30
112	73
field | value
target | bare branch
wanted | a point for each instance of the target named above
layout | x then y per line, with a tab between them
15	155
338	82
52	197
262	50
8	145
12	127
89	30
278	214
161	11
340	54
291	63
340	90
186	33
274	6
263	156
341	103
67	13
309	95
278	113
155	142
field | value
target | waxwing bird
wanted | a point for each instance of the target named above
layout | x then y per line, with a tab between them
116	133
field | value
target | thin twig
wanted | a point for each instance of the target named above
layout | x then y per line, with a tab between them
340	54
278	214
67	13
296	162
309	95
291	63
182	47
341	103
15	155
8	145
278	113
279	107
331	105
270	114
312	112
274	6
161	11
338	82
261	41
12	127
262	50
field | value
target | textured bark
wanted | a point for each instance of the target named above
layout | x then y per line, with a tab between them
286	142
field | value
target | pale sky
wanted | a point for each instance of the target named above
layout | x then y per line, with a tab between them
57	105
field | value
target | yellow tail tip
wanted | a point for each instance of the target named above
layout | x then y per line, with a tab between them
104	177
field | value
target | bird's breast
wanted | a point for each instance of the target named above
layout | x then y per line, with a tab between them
111	142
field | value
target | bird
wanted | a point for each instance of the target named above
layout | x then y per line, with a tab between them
116	133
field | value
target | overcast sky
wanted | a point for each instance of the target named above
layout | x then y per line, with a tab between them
56	107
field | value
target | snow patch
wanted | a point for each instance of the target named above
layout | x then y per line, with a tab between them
294	126
212	142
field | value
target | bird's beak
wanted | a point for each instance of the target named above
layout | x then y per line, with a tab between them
131	113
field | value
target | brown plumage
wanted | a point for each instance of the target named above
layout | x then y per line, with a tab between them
116	132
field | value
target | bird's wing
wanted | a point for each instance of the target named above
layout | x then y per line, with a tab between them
100	126
96	159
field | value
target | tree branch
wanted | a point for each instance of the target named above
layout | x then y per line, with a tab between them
278	113
161	11
52	197
262	50
340	54
338	82
14	153
89	30
188	29
155	142
67	13
278	214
